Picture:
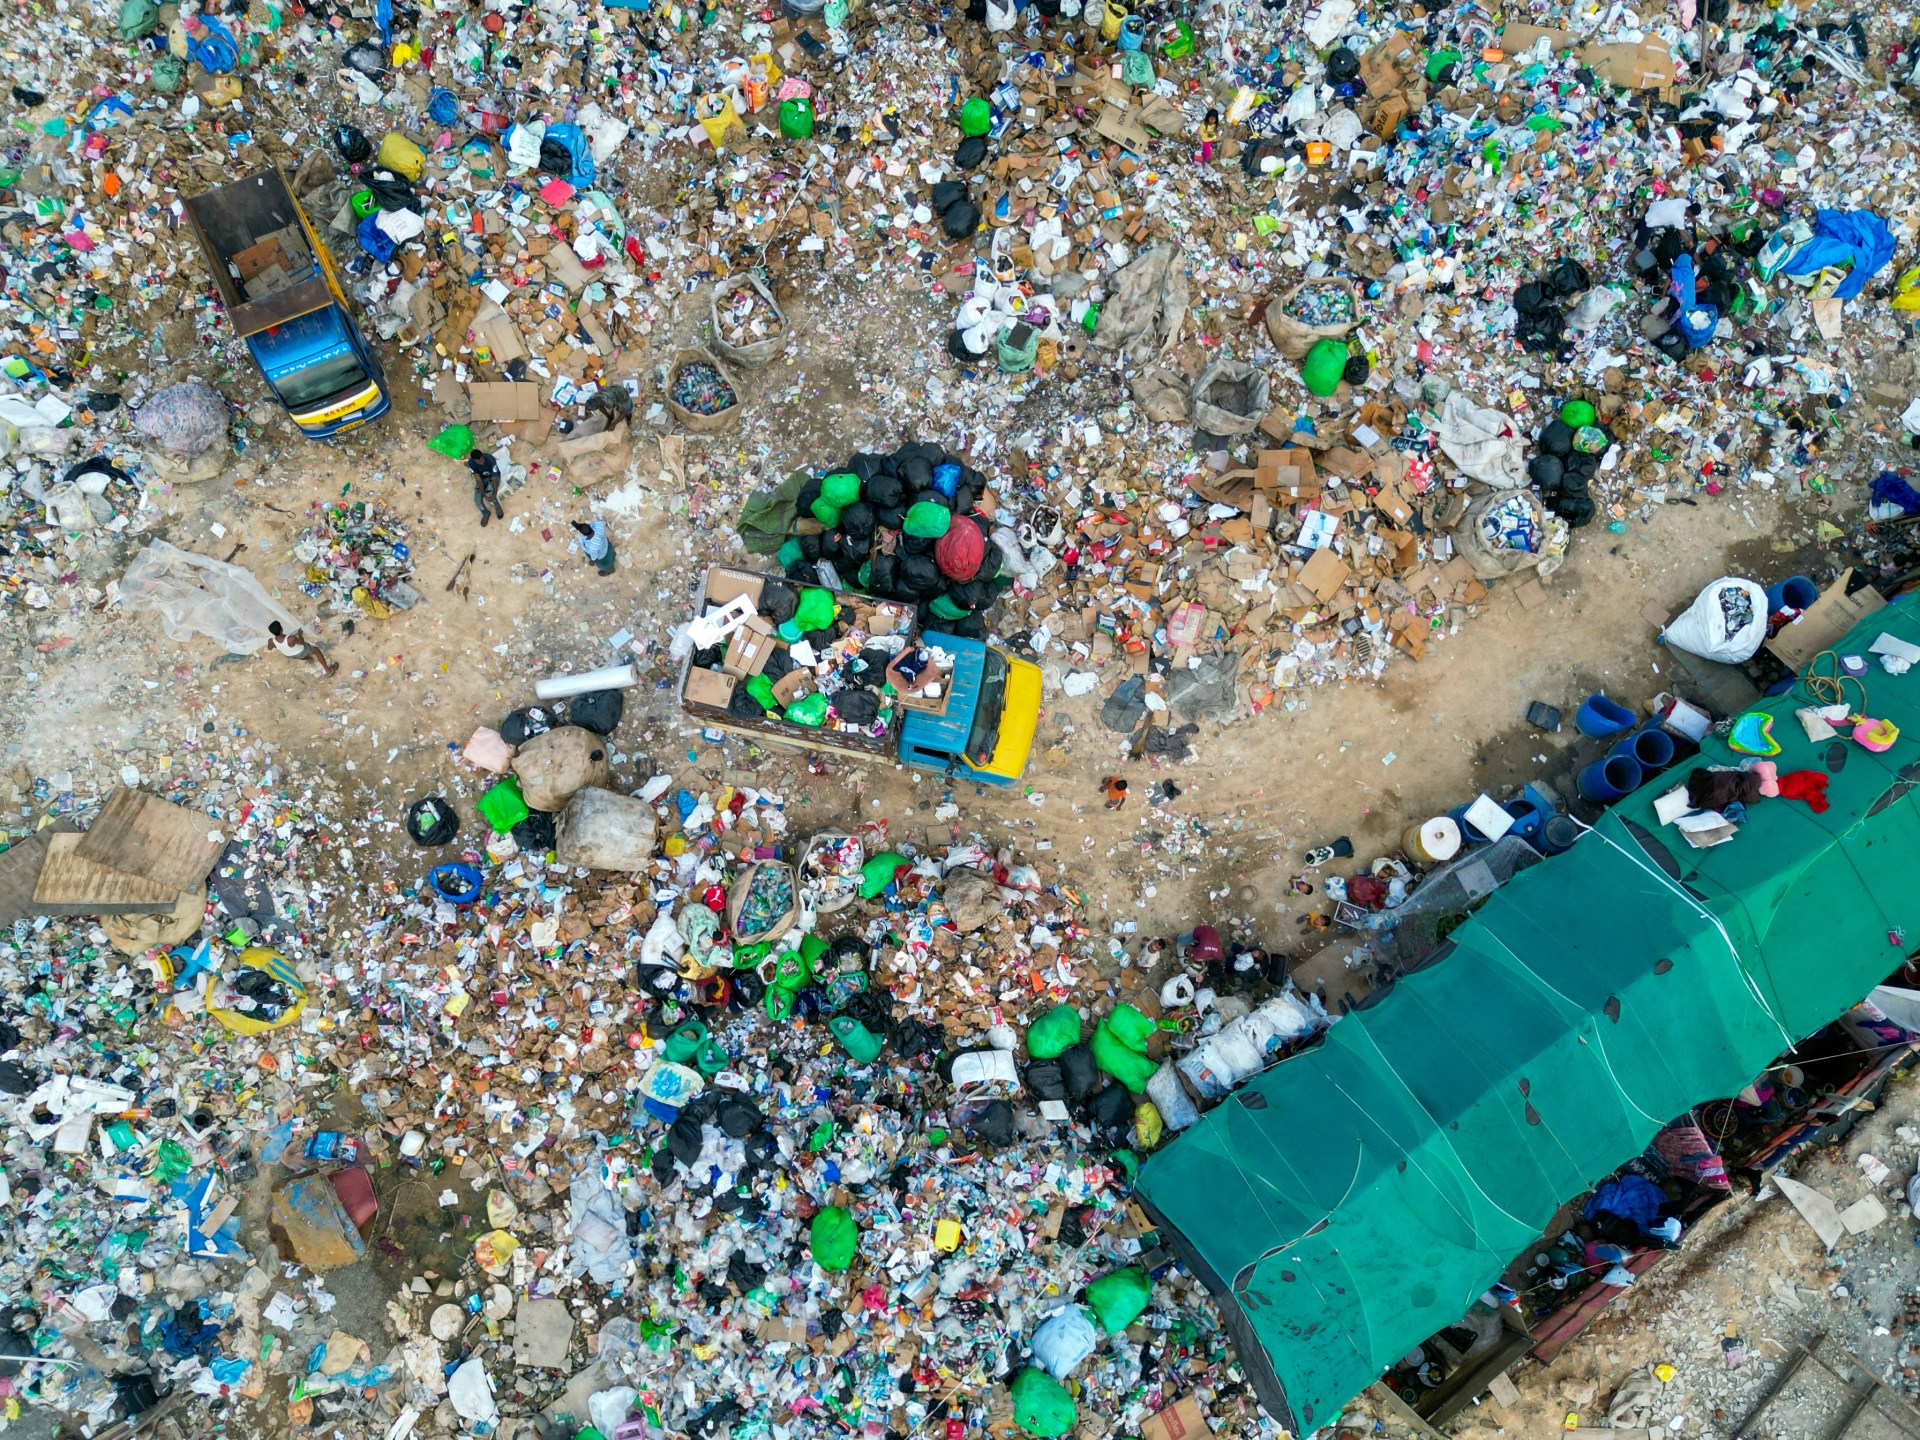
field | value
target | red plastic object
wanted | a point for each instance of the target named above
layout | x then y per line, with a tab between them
355	1189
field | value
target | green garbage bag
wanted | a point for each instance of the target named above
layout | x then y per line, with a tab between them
683	1044
841	488
1054	1033
1439	60
863	577
778	1002
976	117
834	1237
877	873
168	75
1578	412
502	806
1121	1061
1326	362
454	442
796	118
1119	1299
1012	357
761	689
1131	1028
815	610
926	520
858	1041
1135	69
810	710
789	552
768	515
138	18
1041	1404
793	969
944	608
710	1059
827	514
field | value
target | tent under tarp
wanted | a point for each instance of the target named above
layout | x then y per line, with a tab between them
1360	1196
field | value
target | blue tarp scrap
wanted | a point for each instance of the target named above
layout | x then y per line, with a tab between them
1858	238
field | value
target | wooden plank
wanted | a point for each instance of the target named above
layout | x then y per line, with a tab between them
70	884
19	873
146	836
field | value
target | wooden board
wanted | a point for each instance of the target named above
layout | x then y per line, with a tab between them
146	836
70	884
19	873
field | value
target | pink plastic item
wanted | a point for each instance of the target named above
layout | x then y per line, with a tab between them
634	1427
488	751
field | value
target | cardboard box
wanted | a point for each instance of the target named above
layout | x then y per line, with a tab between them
792	685
749	649
1181	1420
724	585
1824	622
1325	574
505	401
709	687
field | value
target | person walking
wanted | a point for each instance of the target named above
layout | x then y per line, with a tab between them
486	485
595	545
297	647
1116	791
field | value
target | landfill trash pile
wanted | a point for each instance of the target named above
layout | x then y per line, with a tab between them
356	555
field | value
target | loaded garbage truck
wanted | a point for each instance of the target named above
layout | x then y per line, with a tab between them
786	663
277	282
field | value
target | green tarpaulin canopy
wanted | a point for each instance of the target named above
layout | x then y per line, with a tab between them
1360	1196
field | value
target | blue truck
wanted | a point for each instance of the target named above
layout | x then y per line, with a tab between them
278	284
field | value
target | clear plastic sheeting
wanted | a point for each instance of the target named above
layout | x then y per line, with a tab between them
185	419
198	595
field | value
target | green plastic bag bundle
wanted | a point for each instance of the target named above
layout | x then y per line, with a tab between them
1132	1028
454	442
1578	412
1326	362
841	488
1054	1033
833	1238
1119	1299
976	117
502	806
825	511
761	689
1041	1404
877	873
683	1044
789	553
1135	68
809	710
1121	1061
1013	358
793	969
138	19
858	1041
796	118
169	73
778	1002
815	610
710	1059
926	520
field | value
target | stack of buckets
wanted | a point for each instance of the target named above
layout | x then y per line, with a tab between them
1637	754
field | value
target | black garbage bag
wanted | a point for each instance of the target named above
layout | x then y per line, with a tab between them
778	601
1112	1108
1580	467
872	1008
975	594
555	158
1082	1075
885	490
738	1118
1342	65
1556	437
1576	510
778	664
763	1148
598	710
995	1125
992	561
810	547
1541	332
1547	472
535	833
961	220
1046	1080
663	1171
748	989
525	723
390	192
1531	298
743	1273
958	348
972	153
742	706
884	578
857	705
685	1140
432	821
1567	279
947	194
859	523
865	465
1357	368
917	472
920	576
912	1038
967	627
351	142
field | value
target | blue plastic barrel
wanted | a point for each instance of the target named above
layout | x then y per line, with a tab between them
1605	781
1651	749
1600	717
1796	592
1470	834
1557	835
1527	819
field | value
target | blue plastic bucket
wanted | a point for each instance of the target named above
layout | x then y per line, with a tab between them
1651	749
1605	781
1796	592
1600	717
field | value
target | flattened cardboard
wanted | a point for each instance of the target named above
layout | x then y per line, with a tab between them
505	401
1645	66
1325	574
1517	39
724	585
1824	622
1181	1420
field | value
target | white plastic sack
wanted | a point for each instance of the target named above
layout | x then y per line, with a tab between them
1217	1065
1590	307
604	134
1727	622
607	1410
197	595
523	146
1328	21
1170	1098
1283	1020
1000	16
472	1393
1472	437
1063	1340
399	226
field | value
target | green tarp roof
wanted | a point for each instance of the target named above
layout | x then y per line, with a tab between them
1360	1196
